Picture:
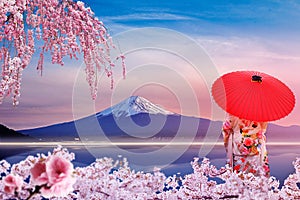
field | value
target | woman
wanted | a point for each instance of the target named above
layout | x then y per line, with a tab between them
245	144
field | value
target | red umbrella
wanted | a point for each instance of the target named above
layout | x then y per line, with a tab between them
253	95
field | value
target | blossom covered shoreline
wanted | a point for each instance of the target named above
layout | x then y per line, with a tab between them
53	176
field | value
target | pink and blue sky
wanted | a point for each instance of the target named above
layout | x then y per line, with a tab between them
247	35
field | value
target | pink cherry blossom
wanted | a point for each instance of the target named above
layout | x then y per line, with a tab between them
60	180
109	179
59	189
58	169
12	183
38	173
64	28
54	175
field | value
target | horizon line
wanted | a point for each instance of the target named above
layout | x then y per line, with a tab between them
108	144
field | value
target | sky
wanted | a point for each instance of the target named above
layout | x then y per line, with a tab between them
223	36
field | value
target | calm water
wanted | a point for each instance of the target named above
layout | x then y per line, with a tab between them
171	159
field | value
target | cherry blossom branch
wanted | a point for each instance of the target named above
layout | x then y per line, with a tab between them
230	197
65	28
34	192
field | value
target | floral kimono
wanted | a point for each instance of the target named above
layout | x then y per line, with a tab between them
245	144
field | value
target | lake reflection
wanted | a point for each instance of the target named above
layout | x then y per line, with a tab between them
172	159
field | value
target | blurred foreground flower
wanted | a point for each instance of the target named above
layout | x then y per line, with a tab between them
13	183
53	176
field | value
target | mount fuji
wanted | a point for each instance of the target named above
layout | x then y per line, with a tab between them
132	106
134	115
137	117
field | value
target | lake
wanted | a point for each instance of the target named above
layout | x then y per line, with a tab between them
172	158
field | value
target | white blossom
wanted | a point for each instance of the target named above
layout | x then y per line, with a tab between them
109	179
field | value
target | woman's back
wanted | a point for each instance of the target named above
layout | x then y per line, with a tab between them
245	143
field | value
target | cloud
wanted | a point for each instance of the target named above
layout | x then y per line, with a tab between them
250	51
148	16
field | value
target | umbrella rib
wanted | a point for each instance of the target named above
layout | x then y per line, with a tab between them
249	94
267	109
283	101
246	109
280	103
273	106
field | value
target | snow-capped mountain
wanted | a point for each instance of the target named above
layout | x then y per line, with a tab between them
136	115
133	114
132	106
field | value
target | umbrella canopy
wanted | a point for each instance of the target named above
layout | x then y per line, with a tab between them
253	95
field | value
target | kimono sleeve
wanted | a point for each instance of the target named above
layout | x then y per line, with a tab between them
227	130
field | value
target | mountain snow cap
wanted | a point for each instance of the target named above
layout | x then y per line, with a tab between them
134	105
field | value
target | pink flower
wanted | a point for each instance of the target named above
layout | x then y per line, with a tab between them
54	175
12	183
60	180
58	169
59	189
38	174
248	142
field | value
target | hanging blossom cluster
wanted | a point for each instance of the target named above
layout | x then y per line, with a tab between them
53	176
64	28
